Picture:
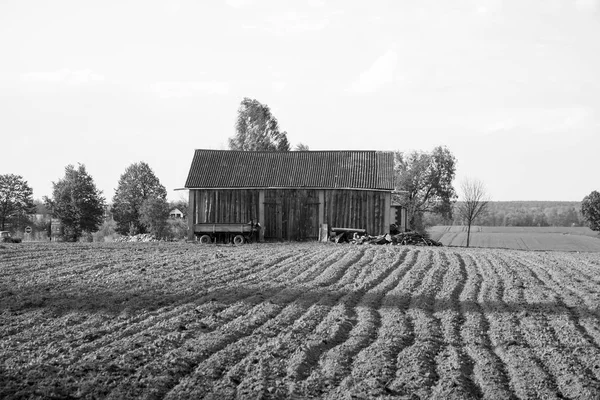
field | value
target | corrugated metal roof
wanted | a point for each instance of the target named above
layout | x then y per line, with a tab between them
314	169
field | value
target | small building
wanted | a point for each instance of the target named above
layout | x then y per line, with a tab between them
292	195
398	216
175	213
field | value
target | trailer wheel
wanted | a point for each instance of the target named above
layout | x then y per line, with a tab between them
238	239
205	239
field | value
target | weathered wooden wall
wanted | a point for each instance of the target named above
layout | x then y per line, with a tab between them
229	206
293	214
359	209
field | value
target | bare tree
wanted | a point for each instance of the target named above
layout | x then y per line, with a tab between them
474	202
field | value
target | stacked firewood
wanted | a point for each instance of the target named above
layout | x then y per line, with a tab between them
403	238
414	238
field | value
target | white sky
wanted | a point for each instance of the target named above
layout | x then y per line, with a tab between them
511	87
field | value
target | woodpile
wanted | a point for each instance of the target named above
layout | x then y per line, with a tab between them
415	239
142	237
403	238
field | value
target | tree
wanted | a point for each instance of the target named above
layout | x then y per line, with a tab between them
301	147
474	202
77	203
590	209
137	184
424	183
154	213
16	199
257	129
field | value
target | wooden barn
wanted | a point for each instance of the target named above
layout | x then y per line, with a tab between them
292	195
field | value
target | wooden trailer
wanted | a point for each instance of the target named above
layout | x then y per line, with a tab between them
229	233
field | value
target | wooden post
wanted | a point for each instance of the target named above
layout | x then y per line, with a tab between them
386	213
321	214
191	213
261	215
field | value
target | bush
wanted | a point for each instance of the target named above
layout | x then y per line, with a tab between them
176	229
107	232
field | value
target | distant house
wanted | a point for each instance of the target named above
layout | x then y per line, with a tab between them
41	213
175	213
292	194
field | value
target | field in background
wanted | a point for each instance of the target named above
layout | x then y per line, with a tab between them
519	238
304	320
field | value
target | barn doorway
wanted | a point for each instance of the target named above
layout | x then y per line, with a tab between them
291	214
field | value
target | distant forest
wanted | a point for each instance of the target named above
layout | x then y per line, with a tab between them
521	213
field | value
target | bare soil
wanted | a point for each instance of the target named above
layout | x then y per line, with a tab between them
177	321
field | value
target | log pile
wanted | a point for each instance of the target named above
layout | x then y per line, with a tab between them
143	237
403	238
415	239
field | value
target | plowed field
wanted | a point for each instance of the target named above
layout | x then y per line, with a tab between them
180	321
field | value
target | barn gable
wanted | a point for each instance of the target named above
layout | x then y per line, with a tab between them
372	170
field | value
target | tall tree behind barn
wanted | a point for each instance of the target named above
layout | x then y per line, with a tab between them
291	194
257	129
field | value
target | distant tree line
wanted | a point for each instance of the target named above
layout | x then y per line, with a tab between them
519	213
139	206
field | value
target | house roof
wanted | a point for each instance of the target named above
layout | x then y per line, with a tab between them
310	169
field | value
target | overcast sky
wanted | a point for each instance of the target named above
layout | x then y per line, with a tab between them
512	88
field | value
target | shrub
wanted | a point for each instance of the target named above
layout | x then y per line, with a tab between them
176	229
107	232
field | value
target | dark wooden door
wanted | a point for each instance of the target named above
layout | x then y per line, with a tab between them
273	219
291	214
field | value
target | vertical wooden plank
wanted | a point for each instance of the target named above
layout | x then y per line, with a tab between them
279	215
331	208
378	219
203	196
233	217
238	205
338	207
228	203
321	220
244	201
387	208
215	207
252	206
353	221
261	215
191	214
199	205
351	210
346	194
361	210
348	218
209	201
340	201
370	213
341	208
291	197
